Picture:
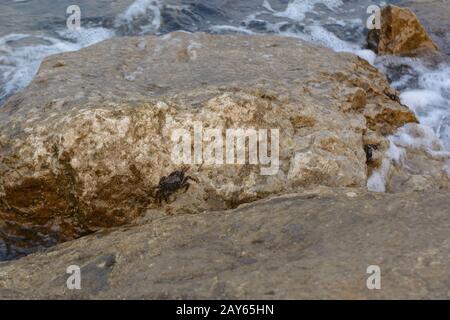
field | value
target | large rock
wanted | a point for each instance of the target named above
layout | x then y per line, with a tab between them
86	143
401	34
314	245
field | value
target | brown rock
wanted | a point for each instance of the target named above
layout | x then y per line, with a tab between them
401	34
84	145
434	15
314	245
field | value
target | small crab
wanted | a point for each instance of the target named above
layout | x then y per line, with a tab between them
369	148
172	183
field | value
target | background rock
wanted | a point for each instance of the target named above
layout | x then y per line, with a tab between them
314	245
401	34
434	15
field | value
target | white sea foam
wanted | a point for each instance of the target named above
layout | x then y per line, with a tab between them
138	11
318	34
430	101
410	136
377	181
394	155
425	104
296	9
19	63
226	28
419	136
438	80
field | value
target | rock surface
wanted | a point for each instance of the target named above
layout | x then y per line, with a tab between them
313	245
401	34
85	144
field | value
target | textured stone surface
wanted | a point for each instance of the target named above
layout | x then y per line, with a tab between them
84	145
401	34
317	244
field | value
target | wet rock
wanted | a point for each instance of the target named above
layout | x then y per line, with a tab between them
313	245
85	144
401	34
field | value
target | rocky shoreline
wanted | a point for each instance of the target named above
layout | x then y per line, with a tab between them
313	245
84	146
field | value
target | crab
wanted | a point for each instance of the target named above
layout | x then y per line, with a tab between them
173	182
369	149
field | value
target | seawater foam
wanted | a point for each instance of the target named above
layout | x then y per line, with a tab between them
422	137
19	63
315	33
297	9
318	34
394	155
431	101
227	28
425	90
148	10
410	136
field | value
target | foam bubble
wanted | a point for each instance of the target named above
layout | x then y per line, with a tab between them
430	101
410	136
438	80
320	35
297	9
226	28
419	136
19	63
420	98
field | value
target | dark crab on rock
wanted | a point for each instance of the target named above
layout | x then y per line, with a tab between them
173	182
